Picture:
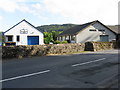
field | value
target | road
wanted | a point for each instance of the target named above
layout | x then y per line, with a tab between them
84	70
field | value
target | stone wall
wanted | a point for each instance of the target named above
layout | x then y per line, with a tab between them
98	46
42	50
116	44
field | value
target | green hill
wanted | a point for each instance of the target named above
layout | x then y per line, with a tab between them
54	27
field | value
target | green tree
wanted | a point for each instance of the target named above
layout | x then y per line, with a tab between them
48	37
55	34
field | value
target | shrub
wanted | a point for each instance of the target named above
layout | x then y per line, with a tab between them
57	42
64	42
60	42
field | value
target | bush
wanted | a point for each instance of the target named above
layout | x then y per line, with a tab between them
64	42
57	42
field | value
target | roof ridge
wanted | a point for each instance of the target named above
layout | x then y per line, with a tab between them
76	29
90	22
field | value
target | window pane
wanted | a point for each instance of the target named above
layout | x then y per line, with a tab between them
92	30
9	38
61	38
73	37
18	38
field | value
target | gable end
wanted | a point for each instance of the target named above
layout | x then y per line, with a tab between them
21	22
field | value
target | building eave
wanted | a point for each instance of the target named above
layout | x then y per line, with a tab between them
19	23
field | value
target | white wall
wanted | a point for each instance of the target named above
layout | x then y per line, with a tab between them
63	38
23	37
67	37
86	35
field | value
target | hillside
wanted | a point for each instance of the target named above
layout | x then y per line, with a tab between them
54	27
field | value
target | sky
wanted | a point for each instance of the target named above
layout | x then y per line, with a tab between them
46	12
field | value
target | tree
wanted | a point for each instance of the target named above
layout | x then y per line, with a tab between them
48	37
55	34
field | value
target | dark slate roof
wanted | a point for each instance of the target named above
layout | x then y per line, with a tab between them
114	28
75	29
78	28
21	22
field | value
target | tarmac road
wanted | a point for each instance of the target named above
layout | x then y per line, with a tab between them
84	70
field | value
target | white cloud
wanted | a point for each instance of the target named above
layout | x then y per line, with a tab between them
8	5
81	11
37	6
77	11
24	8
12	5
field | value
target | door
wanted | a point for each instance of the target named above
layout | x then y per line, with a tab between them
104	38
33	40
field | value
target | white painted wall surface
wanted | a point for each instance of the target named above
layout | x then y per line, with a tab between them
67	37
23	37
86	35
63	38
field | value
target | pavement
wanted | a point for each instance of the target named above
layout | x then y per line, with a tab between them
84	70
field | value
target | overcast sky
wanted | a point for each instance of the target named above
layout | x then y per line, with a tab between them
44	12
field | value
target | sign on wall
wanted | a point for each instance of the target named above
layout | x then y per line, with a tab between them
23	31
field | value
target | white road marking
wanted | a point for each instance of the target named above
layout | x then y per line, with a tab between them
88	62
23	76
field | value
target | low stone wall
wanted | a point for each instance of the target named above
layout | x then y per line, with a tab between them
116	44
98	46
40	50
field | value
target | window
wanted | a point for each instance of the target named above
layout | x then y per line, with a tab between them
10	38
69	37
104	38
73	37
61	38
92	30
66	38
23	31
58	38
18	38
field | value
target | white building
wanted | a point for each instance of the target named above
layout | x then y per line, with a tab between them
23	33
92	31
